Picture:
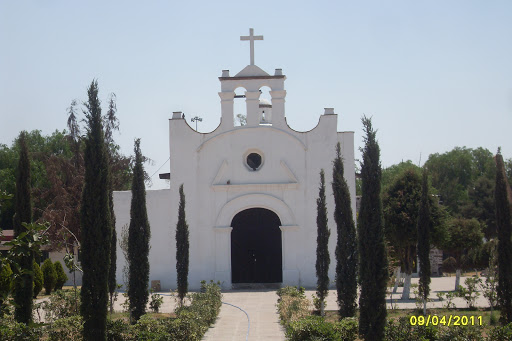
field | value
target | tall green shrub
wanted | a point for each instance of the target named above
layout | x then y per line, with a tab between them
5	284
373	265
49	276
182	249
111	124
322	245
23	290
38	279
346	243
95	221
61	276
138	242
504	223
424	241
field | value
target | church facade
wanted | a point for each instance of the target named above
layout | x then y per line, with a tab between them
250	191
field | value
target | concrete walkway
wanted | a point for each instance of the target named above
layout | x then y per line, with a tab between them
232	323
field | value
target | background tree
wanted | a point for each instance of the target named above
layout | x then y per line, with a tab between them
401	207
23	289
182	249
61	276
242	119
503	195
373	267
49	276
465	234
424	242
322	246
391	173
138	242
96	228
480	205
38	279
455	173
346	244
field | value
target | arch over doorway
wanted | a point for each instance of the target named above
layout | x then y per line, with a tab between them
256	247
240	203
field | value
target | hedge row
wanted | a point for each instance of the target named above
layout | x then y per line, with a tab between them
295	315
294	311
190	323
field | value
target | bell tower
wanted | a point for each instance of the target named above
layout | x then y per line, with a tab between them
252	78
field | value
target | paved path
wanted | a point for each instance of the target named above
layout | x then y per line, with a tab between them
232	322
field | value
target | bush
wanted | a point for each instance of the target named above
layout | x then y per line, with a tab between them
61	276
49	276
449	265
316	328
470	293
193	321
402	330
156	302
292	304
460	333
10	330
291	291
61	304
501	333
69	328
149	329
119	330
5	284
38	279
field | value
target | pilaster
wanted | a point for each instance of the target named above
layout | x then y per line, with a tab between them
252	100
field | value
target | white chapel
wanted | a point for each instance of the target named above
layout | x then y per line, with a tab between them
250	191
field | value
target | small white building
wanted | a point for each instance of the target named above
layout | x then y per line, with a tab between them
250	191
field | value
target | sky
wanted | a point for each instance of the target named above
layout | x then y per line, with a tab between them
432	74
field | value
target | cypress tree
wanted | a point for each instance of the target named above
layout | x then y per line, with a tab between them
95	223
23	290
112	283
182	249
138	242
111	124
373	265
424	242
346	245
504	225
322	249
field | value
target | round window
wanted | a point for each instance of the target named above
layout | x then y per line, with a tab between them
254	161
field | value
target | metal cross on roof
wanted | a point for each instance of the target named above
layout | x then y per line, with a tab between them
251	37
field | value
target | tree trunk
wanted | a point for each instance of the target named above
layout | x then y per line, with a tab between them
397	279
407	286
457	279
424	307
322	312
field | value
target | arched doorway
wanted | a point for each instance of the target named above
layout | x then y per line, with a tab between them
256	249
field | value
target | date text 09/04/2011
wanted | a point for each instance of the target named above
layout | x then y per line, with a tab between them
448	320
